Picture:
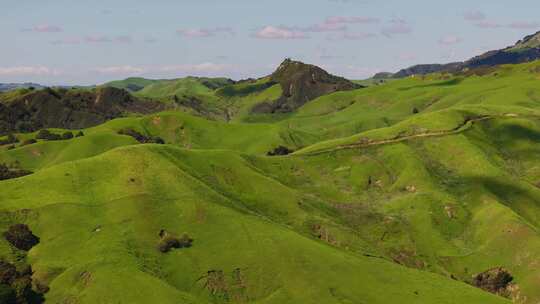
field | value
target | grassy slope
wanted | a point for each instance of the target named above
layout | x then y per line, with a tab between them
115	210
234	198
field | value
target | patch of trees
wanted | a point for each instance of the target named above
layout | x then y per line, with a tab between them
16	284
21	237
7	172
10	139
496	280
280	150
45	134
141	138
168	241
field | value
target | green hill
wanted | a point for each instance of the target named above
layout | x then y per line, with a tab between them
401	192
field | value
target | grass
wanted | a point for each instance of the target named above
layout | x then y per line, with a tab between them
335	222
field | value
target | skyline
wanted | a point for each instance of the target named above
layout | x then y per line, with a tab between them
90	43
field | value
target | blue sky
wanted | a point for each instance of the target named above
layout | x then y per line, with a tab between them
90	42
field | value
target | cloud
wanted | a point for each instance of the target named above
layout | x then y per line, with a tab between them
44	28
350	36
205	32
487	24
28	71
474	16
524	25
107	39
123	69
406	56
397	27
280	32
351	20
324	27
150	40
207	67
66	41
450	40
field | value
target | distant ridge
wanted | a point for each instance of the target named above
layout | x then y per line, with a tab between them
525	50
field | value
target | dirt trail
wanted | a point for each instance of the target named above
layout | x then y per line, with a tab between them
467	124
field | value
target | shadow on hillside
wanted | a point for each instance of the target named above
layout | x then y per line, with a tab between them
522	198
447	83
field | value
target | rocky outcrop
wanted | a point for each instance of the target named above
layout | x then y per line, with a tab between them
69	109
301	83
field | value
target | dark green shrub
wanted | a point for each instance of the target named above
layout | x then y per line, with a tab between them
79	134
280	150
10	139
169	241
21	237
27	142
47	135
7	294
67	135
9	173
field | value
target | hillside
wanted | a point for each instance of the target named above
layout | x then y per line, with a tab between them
29	110
413	191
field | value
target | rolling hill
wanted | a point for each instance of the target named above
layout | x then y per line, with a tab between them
418	190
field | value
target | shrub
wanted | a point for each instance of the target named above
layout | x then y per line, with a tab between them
8	272
9	173
494	280
67	135
47	135
141	138
27	142
79	134
10	139
280	150
169	241
415	111
20	236
7	294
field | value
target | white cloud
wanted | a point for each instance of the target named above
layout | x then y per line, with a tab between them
28	71
280	32
524	25
488	24
207	67
450	40
397	27
44	28
123	69
205	32
351	20
474	16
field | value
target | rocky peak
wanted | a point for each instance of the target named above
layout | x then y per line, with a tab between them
301	83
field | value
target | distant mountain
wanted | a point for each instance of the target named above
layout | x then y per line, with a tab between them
525	50
301	83
12	86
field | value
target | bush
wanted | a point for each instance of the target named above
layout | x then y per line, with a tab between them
79	134
415	111
10	139
8	272
7	294
141	138
9	173
20	236
47	135
169	241
494	280
67	135
27	142
280	150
